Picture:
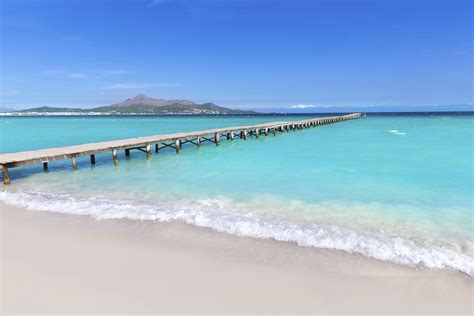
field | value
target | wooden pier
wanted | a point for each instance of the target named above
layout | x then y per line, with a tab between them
145	144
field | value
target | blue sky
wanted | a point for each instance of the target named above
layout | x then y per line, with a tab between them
238	53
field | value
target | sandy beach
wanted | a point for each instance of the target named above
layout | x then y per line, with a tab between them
54	263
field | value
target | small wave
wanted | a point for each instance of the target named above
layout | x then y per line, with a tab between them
397	132
218	215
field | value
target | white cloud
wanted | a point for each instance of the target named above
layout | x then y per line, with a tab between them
302	106
9	93
76	75
113	72
51	72
71	38
64	73
81	75
138	85
158	2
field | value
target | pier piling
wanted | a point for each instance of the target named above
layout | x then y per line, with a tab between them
177	145
115	157
6	175
148	150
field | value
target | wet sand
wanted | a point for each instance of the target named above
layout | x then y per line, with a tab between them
56	263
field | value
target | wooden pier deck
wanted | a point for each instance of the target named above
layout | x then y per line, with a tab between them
175	141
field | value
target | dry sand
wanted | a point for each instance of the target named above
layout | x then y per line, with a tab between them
54	263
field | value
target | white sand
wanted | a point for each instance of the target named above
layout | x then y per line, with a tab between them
59	263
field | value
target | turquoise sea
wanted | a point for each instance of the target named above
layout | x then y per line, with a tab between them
390	187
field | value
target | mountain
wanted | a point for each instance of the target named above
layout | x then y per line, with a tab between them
142	104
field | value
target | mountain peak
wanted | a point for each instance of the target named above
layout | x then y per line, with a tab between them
141	96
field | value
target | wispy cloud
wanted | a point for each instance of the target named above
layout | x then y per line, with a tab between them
64	74
75	39
82	75
158	2
9	93
302	106
72	38
138	85
113	72
459	52
76	75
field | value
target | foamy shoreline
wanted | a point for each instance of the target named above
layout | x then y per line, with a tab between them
224	215
65	263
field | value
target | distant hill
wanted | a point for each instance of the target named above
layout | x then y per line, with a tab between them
49	109
142	104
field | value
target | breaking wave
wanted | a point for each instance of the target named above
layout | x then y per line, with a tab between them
218	214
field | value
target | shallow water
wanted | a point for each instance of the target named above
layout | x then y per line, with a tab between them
396	188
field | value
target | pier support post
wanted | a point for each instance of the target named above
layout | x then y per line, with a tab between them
274	131
114	156
45	166
217	139
265	131
232	135
92	159
127	152
156	148
177	144
74	163
245	134
148	150
257	133
198	141
6	175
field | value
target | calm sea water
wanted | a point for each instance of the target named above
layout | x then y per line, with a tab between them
397	188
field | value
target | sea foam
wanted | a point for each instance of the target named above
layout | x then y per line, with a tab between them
217	214
397	132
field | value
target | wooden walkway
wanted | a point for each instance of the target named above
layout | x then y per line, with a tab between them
145	144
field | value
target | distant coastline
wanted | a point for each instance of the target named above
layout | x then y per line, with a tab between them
142	105
138	105
104	114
